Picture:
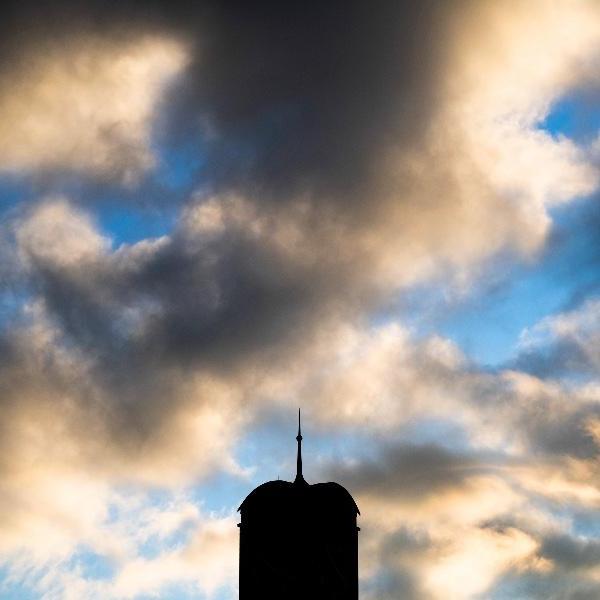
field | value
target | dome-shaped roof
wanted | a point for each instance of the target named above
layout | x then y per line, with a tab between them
333	493
267	493
282	494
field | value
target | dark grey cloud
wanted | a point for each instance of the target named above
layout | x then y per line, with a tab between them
558	359
564	434
406	542
571	553
213	302
328	89
391	584
410	472
288	98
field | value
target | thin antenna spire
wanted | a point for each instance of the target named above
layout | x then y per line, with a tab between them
299	476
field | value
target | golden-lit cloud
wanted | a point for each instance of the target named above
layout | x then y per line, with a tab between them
209	561
86	105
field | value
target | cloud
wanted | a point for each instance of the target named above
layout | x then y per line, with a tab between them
563	343
55	235
430	523
496	499
85	104
451	170
411	472
572	553
199	549
209	560
467	511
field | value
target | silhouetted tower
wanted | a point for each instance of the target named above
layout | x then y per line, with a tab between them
298	541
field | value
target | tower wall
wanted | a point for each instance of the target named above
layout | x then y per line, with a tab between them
298	555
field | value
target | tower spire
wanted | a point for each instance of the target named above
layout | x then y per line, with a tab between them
299	477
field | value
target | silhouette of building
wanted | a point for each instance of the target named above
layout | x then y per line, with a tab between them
298	541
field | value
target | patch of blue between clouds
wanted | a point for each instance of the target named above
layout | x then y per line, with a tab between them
220	494
186	591
154	545
268	451
92	566
487	324
514	294
270	447
126	224
170	591
575	116
584	522
14	190
568	271
128	214
151	209
12	300
179	162
12	589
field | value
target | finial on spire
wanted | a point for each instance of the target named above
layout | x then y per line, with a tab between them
299	477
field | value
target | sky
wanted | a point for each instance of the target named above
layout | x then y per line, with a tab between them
385	213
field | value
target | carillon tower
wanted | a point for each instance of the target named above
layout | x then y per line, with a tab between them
298	541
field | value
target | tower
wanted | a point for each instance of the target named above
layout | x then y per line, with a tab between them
298	541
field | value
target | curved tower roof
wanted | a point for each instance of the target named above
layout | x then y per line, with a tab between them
285	494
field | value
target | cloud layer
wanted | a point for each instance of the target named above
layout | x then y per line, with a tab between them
346	158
